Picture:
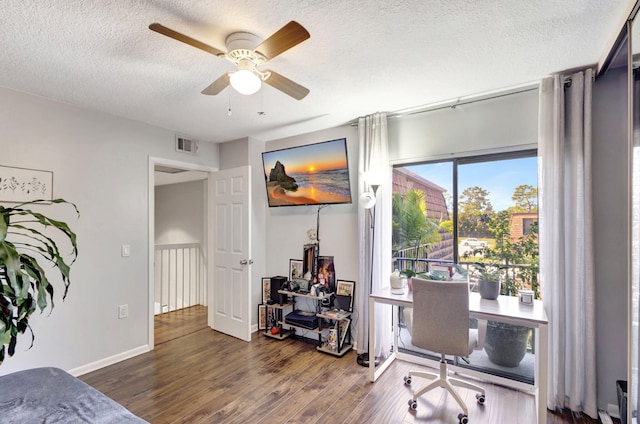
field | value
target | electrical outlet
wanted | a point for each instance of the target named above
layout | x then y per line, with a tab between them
123	311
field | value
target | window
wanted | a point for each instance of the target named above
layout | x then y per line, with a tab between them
475	211
526	224
464	210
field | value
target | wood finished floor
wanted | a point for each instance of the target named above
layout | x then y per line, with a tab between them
197	375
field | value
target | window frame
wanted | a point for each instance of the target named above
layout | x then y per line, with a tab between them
468	160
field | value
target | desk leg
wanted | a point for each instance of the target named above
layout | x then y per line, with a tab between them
372	341
542	363
376	371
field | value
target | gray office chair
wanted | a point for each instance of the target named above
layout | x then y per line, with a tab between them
439	322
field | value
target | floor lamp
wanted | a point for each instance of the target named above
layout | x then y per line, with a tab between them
368	201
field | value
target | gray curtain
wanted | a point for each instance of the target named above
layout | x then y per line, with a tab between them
635	250
374	230
566	240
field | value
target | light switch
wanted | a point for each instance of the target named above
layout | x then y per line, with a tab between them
126	250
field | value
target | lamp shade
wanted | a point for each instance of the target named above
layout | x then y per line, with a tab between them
245	82
367	200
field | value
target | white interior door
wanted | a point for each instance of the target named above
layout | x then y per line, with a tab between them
230	302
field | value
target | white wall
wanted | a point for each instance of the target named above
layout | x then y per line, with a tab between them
179	213
286	226
100	162
501	123
610	189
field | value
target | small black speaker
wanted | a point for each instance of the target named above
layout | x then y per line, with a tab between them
277	283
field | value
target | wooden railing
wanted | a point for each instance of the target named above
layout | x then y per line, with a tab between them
180	278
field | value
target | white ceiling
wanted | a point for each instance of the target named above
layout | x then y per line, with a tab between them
363	56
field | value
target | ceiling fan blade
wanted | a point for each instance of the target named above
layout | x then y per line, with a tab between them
282	40
287	86
217	86
161	29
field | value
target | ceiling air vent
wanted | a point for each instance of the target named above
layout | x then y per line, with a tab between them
186	145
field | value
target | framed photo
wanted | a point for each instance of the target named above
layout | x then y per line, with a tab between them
310	264
345	288
265	317
266	290
327	273
19	185
295	269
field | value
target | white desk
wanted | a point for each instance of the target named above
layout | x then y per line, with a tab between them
504	309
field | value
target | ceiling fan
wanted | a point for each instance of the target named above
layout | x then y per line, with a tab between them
248	54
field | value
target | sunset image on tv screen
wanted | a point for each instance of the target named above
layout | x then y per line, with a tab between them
308	175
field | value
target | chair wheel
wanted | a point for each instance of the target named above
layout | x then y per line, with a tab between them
463	418
407	380
480	398
413	404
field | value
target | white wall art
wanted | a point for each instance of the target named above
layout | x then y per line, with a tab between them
22	185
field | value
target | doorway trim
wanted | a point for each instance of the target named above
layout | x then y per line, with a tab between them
153	161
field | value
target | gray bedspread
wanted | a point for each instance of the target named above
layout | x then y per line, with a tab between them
51	395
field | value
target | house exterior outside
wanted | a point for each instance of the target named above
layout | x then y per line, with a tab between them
519	224
404	181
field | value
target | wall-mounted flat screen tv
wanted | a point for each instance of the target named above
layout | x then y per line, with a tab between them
314	174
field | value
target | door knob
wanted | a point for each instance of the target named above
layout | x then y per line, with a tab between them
246	262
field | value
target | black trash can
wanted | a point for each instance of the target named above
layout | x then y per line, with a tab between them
621	386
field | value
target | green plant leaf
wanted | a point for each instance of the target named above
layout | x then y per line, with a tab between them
25	238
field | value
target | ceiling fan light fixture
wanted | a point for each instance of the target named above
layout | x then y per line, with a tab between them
245	82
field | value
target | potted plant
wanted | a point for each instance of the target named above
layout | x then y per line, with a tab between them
505	344
489	281
408	274
26	239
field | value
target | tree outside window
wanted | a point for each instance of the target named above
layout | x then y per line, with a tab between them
497	214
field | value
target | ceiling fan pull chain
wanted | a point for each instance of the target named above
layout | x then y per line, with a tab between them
229	113
262	112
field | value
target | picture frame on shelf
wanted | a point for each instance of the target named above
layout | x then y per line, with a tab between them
346	289
265	316
309	267
344	329
266	290
327	273
262	317
295	269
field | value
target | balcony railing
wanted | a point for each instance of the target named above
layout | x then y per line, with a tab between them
180	278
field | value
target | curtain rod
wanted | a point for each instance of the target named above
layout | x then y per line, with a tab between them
452	104
459	101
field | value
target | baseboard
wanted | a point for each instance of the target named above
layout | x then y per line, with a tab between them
604	417
109	361
613	410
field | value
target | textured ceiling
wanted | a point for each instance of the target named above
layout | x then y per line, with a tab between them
363	56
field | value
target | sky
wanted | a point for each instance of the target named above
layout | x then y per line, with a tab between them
499	178
309	158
